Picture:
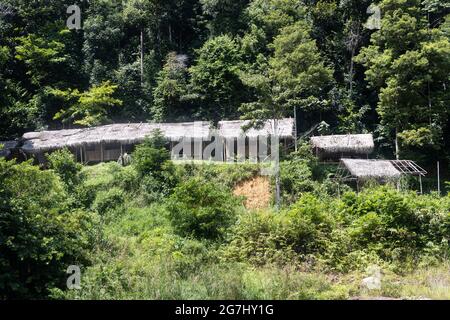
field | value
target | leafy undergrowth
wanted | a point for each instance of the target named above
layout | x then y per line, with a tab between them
165	231
318	248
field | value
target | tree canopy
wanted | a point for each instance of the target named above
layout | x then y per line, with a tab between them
187	60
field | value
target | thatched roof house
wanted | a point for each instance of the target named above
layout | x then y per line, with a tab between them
371	169
234	129
340	146
106	143
383	171
128	134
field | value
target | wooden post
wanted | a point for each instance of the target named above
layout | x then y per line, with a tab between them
439	178
420	181
275	148
142	57
102	156
339	190
397	149
295	126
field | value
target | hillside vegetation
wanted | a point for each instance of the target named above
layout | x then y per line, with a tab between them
138	235
162	230
212	60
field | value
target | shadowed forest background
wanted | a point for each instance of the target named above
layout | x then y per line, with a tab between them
159	230
216	59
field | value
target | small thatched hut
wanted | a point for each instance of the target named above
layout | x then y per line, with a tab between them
343	146
383	171
380	170
108	143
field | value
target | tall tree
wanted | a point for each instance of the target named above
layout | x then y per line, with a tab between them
294	77
224	16
215	83
88	108
408	62
170	89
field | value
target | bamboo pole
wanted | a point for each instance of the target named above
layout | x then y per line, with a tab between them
421	186
296	129
439	177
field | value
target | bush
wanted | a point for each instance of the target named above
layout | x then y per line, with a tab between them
156	187
202	209
296	179
125	178
64	164
379	225
157	173
259	239
150	156
39	236
228	175
109	200
310	223
397	220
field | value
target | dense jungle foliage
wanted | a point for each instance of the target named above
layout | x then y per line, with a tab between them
138	235
155	60
156	229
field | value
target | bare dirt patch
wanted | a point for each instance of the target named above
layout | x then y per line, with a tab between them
256	192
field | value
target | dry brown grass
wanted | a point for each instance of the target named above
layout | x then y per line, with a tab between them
256	192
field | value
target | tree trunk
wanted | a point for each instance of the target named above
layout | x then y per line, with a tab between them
142	57
277	168
352	67
397	151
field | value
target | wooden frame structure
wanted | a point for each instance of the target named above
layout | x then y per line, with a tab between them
358	170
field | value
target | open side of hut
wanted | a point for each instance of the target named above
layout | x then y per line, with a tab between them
359	169
109	143
383	171
336	147
7	148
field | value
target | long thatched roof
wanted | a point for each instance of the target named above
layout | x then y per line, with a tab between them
234	129
35	142
338	144
371	169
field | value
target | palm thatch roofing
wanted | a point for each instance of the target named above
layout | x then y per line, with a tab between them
36	142
5	151
344	144
234	129
371	169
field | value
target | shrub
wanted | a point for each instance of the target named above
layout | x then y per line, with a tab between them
228	175
379	225
125	178
285	238
296	179
157	173
39	235
64	164
310	223
108	200
202	209
150	156
259	238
